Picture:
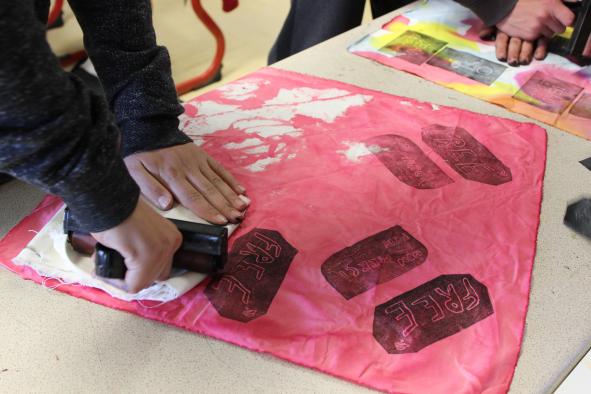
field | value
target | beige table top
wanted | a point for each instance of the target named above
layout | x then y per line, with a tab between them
52	342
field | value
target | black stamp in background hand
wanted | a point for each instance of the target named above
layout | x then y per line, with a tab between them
407	162
548	93
256	267
372	261
468	65
431	312
466	155
582	107
413	47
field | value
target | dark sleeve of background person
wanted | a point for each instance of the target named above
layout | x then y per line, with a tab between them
54	132
135	72
311	22
490	11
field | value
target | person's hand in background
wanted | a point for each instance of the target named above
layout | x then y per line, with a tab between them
532	19
193	178
147	242
587	50
513	50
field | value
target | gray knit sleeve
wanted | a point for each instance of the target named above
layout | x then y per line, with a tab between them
134	71
55	133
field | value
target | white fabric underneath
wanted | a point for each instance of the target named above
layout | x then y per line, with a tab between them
50	255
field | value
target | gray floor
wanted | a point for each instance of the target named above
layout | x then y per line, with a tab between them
16	199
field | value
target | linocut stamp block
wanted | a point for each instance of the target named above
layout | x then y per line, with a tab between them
407	162
431	312
413	47
372	261
466	155
468	65
256	267
548	93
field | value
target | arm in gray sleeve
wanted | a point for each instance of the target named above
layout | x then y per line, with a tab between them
55	133
134	71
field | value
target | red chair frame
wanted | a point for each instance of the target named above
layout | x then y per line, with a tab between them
192	83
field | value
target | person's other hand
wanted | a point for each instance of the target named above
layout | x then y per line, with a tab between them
531	19
587	50
147	242
196	180
515	51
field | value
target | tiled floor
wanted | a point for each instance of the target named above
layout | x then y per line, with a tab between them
250	31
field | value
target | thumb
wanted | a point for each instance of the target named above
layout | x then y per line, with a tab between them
137	279
563	14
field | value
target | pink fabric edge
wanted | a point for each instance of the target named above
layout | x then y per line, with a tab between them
99	297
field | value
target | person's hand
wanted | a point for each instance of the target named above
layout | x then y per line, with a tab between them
531	19
587	50
514	50
147	242
196	180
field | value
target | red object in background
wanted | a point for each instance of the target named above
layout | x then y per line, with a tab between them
449	319
229	5
55	11
196	82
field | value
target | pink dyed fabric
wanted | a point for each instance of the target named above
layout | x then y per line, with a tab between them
390	242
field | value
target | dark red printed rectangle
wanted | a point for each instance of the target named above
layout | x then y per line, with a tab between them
373	260
413	47
466	155
582	107
256	267
548	93
407	162
431	312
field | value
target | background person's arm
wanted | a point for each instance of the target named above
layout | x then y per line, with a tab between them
490	11
532	19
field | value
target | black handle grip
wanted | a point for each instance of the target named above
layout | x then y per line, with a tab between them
109	263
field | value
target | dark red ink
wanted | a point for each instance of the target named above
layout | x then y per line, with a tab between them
582	107
407	162
256	267
548	93
431	312
466	155
374	260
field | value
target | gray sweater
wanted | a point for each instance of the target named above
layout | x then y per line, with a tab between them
56	134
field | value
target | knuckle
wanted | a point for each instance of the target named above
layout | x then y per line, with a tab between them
209	189
194	196
172	172
176	240
217	181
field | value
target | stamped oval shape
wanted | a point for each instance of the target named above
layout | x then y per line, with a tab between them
256	267
407	162
372	261
431	312
466	155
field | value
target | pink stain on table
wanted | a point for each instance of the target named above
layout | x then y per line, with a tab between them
424	286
